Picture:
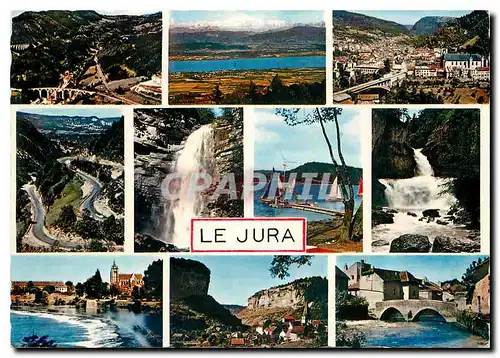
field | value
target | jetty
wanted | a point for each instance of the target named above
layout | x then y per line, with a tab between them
316	209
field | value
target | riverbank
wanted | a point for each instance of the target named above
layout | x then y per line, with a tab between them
70	327
421	231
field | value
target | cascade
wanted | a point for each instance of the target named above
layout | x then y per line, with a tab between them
196	157
423	191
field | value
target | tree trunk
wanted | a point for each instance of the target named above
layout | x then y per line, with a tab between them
343	180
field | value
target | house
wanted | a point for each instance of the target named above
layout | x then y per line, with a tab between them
341	280
429	290
289	336
287	318
237	342
481	295
377	285
461	64
58	286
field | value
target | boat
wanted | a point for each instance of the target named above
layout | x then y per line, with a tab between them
360	187
335	192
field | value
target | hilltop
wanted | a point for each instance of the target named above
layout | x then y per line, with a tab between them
469	33
430	24
367	23
215	42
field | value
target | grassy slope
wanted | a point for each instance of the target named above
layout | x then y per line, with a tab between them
71	195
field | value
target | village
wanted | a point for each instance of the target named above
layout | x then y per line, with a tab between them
368	64
379	296
124	290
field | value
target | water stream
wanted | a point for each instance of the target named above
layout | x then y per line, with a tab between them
414	195
195	158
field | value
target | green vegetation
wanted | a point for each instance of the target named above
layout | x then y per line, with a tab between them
368	23
460	32
349	307
68	38
69	198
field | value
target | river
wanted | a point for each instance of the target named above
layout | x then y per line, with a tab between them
428	333
71	328
240	64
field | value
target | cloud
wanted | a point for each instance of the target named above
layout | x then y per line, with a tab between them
352	128
266	136
238	21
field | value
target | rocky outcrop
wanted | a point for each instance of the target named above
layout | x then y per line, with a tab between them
455	245
188	278
159	135
381	217
294	294
411	243
431	213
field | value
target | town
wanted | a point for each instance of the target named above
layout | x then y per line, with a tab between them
365	293
373	65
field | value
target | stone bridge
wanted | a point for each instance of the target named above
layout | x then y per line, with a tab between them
385	83
56	92
412	309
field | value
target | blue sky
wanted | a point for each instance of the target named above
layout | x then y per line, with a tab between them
73	267
245	20
410	17
84	112
435	268
234	279
302	143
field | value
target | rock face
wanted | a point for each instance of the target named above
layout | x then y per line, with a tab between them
188	278
291	295
159	137
410	243
450	244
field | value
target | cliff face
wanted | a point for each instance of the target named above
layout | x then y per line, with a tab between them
228	154
392	156
159	134
289	299
188	278
278	297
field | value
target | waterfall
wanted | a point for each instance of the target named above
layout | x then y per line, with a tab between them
423	191
195	157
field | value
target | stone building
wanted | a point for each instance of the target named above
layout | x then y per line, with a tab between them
341	280
481	295
377	284
463	64
125	281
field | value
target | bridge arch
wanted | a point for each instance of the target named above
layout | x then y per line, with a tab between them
392	314
46	93
428	311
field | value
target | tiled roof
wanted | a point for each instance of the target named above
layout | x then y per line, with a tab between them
461	57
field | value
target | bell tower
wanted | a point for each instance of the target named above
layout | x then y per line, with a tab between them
113	276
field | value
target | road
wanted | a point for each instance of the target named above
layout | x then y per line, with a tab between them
96	186
38	227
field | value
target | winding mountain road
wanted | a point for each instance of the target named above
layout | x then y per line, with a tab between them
37	227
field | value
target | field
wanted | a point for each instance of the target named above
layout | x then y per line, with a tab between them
199	87
71	195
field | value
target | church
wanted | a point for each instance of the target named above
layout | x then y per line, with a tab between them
125	281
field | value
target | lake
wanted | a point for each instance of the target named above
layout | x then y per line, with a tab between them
239	64
72	328
423	334
263	210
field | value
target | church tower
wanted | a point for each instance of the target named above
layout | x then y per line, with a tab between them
306	316
113	276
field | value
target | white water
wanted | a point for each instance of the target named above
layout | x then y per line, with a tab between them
423	191
196	157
